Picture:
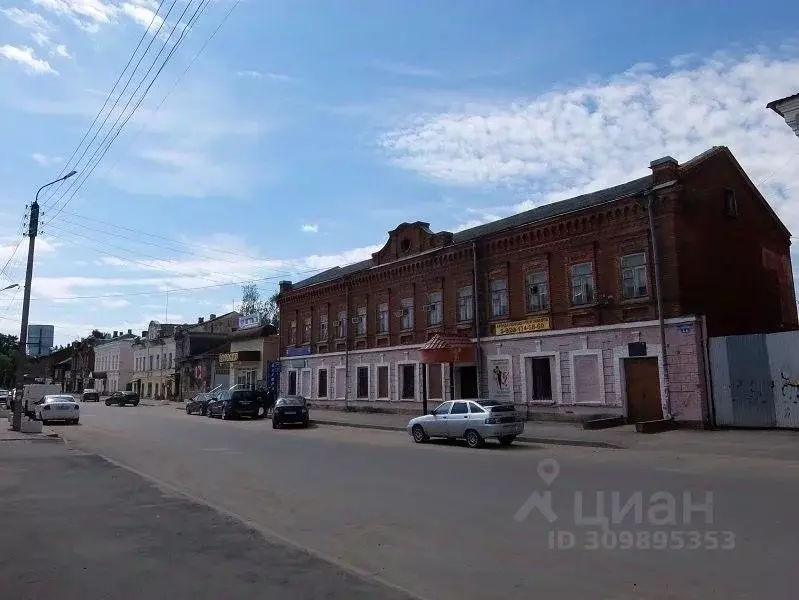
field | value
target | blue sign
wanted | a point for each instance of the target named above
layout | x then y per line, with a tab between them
273	374
298	351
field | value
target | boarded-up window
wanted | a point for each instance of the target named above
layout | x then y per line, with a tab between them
434	381
586	379
382	381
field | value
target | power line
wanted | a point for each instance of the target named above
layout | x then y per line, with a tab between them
192	20
13	254
107	98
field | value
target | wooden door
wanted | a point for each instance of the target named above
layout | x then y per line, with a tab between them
643	389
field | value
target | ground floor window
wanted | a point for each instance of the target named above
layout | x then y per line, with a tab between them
149	390
382	381
292	387
586	374
539	378
362	390
321	383
341	383
305	383
407	382
246	378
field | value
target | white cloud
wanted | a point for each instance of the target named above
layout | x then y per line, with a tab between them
27	19
84	12
596	135
114	302
45	160
252	74
142	14
27	58
310	228
43	40
249	74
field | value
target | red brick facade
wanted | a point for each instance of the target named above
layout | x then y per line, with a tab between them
723	254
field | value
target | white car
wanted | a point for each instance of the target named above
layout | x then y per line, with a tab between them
472	420
57	408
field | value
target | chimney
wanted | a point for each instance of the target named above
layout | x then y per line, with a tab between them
213	316
664	170
200	320
284	286
130	332
116	333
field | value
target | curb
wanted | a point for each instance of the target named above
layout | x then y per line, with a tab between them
531	440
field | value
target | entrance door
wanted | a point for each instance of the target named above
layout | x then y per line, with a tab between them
468	382
542	378
292	391
643	389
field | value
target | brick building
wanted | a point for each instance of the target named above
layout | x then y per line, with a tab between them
560	302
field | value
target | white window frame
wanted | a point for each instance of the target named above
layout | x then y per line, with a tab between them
327	384
591	277
406	321
293	332
417	388
340	371
360	327
310	382
307	328
496	298
368	382
435	306
341	325
528	285
323	331
377	381
383	321
600	365
635	271
468	307
557	391
443	381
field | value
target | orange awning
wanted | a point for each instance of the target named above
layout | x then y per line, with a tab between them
442	348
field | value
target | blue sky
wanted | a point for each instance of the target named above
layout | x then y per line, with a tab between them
308	129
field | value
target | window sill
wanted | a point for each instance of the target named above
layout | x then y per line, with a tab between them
638	300
539	313
586	307
499	319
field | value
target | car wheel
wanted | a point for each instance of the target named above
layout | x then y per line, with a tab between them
275	423
419	436
204	411
306	423
45	421
473	439
188	410
506	440
225	413
108	403
75	421
136	403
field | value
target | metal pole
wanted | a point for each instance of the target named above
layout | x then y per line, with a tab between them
346	345
424	388
659	296
476	309
33	230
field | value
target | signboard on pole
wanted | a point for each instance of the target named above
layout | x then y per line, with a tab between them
249	321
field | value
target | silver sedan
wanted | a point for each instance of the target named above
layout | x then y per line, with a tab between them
57	408
472	420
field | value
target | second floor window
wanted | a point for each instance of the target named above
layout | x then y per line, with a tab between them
323	328
465	304
582	283
499	298
633	276
341	324
170	360
157	362
435	312
151	362
382	317
406	321
306	330
537	291
361	323
292	333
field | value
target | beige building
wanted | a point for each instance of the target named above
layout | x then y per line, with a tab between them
250	351
154	361
113	362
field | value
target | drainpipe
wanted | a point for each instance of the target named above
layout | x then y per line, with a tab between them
711	409
650	195
479	352
346	344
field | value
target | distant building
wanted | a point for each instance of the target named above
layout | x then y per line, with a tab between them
113	362
40	339
788	109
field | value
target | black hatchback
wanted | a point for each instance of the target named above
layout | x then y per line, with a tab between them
290	410
235	404
123	398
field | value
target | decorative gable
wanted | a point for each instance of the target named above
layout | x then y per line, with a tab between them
409	239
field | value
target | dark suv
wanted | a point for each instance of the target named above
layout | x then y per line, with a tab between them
122	398
238	403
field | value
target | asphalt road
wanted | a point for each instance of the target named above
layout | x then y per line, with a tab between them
446	522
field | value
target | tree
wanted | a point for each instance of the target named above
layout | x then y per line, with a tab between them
252	304
9	357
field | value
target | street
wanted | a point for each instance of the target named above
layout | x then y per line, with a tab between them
445	522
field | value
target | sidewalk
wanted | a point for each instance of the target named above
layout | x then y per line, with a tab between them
75	527
780	445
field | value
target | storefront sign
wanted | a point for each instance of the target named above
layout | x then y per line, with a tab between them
526	326
249	321
241	356
298	351
500	382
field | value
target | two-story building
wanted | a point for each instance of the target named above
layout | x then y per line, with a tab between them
113	362
154	361
197	348
601	303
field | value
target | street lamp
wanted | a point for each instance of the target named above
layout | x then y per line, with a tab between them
33	229
10	287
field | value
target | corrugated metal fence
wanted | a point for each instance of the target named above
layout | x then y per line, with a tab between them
755	380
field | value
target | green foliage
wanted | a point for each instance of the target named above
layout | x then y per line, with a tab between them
252	304
9	357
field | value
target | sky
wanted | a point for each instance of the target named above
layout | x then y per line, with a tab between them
295	136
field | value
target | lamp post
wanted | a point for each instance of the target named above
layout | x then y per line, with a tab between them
33	230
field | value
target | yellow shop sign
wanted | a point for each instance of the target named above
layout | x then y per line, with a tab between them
526	326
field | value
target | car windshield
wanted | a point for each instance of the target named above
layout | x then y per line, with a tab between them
291	401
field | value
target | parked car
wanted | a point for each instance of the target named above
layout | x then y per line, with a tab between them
232	404
290	410
90	395
472	420
5	398
199	404
123	398
57	408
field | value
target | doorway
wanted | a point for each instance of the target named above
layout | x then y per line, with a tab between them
466	382
643	389
292	391
539	378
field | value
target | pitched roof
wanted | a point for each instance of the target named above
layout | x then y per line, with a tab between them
775	104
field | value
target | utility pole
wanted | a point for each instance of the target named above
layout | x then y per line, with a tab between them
33	230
